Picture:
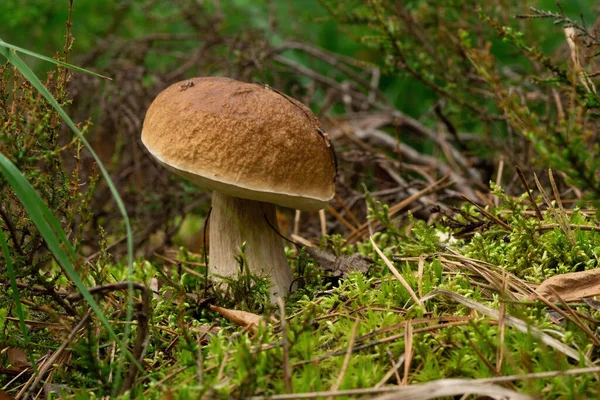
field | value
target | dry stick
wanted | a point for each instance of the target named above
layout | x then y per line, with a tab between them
323	220
510	321
499	180
562	214
200	362
50	325
485	198
452	388
488	215
113	354
492	277
585	212
391	389
560	112
408	351
448	152
50	361
479	353
415	321
347	210
449	126
335	60
420	271
143	335
397	274
47	382
571	226
392	371
575	318
538	214
515	282
573	41
396	208
18	376
501	327
410	155
395	370
552	209
341	218
347	358
571	316
177	262
287	369
141	341
302	241
392	338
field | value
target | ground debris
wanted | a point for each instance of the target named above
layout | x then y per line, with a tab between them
340	266
570	287
245	319
17	358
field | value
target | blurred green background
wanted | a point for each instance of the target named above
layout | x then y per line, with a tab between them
39	25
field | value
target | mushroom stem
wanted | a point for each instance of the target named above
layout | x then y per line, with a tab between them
234	221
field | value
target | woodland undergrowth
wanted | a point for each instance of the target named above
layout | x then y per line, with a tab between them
462	244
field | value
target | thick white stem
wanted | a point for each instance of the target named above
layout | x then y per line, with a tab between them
234	221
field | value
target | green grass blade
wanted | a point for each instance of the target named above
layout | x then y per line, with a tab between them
24	69
51	60
44	221
13	285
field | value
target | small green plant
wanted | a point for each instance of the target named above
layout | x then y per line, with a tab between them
246	291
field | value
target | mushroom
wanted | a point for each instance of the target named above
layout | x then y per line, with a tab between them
254	147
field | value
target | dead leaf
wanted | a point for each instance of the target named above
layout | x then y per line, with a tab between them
339	266
205	330
241	318
570	287
17	358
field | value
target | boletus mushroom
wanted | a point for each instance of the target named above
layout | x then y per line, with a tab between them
254	147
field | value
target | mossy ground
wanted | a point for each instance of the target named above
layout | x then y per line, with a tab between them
366	331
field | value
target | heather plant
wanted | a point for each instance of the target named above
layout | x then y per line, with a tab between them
495	76
32	138
29	216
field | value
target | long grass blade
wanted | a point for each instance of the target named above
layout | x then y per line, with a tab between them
512	322
44	221
51	60
24	69
13	285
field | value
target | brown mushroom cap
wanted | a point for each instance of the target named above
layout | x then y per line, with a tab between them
243	140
